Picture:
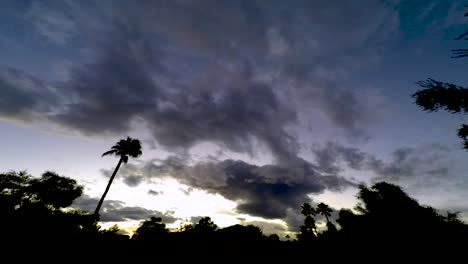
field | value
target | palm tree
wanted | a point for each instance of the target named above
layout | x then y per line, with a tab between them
309	222
308	210
324	210
124	148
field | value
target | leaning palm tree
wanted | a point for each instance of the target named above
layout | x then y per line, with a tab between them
324	210
124	148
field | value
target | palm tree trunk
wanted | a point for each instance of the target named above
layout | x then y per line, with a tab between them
96	212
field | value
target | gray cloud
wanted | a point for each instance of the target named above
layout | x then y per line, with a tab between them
25	97
55	25
195	219
428	163
424	164
153	192
132	180
116	211
294	219
267	191
331	154
236	73
345	110
219	71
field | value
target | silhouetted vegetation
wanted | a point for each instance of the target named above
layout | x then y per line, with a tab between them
459	53
450	97
123	149
386	219
35	208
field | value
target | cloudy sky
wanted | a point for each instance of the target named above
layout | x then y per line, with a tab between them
245	109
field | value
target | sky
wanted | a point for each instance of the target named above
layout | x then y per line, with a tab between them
245	109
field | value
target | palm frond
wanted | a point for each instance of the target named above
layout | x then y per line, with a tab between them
461	36
110	152
460	53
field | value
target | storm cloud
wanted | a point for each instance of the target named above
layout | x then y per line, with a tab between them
116	211
217	71
24	97
268	191
428	163
239	74
329	156
431	163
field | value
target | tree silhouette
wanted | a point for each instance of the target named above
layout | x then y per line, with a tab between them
459	53
308	210
446	96
309	229
54	191
123	149
35	208
389	218
19	190
386	220
324	210
205	225
153	229
438	95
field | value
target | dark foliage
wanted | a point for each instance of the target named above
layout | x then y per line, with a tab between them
459	53
385	221
446	96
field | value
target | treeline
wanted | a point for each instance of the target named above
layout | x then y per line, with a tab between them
36	212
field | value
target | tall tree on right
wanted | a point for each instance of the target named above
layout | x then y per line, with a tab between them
438	95
459	53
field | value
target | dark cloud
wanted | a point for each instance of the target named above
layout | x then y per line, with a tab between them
294	219
331	154
24	97
345	110
55	25
239	74
132	180
425	163
153	192
267	191
219	71
116	211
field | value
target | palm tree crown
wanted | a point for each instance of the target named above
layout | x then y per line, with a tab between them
124	148
324	210
308	210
